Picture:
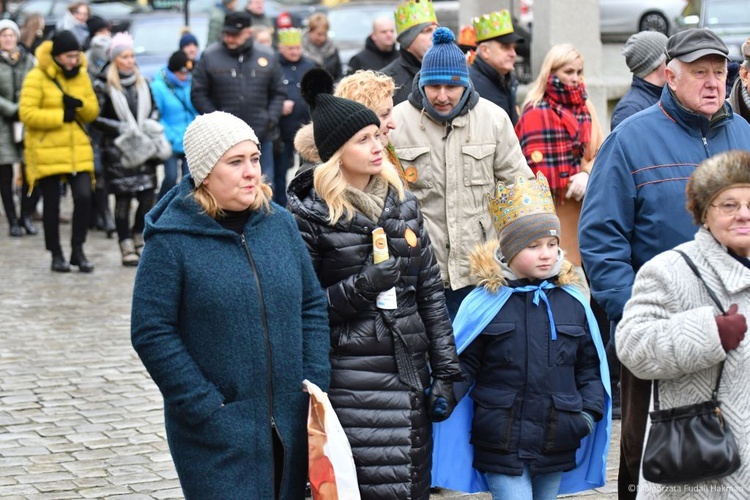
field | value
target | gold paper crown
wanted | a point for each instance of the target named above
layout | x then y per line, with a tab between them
414	12
290	36
467	36
525	197
493	25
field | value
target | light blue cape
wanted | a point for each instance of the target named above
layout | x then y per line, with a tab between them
453	455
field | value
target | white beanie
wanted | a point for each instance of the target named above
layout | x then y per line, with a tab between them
208	137
7	24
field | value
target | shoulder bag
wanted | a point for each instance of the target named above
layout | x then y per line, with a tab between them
692	443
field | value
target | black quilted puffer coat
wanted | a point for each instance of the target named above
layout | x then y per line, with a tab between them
385	419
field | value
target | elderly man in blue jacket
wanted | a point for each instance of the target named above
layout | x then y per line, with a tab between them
635	201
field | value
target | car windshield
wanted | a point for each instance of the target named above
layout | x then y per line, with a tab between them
725	13
350	25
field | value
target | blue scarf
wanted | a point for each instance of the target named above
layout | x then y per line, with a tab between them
453	455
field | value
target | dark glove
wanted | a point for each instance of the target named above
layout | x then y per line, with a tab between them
69	115
377	278
589	418
440	399
732	327
15	117
70	102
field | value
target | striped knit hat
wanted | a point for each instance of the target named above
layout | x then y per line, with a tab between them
645	51
444	63
335	119
521	232
208	137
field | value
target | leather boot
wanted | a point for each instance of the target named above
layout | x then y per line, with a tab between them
129	256
138	241
78	258
28	225
59	264
109	223
15	230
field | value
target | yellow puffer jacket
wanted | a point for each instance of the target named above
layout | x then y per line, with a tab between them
54	147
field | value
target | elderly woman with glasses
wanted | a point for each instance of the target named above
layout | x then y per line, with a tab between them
671	330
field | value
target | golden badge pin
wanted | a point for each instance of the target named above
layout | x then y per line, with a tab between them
410	237
262	62
411	174
536	156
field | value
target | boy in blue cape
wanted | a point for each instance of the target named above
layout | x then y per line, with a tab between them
537	420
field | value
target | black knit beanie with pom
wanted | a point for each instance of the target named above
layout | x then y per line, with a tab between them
335	119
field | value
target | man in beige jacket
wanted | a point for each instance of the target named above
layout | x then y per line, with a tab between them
454	146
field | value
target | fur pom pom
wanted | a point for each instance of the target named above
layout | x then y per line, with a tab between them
316	81
443	35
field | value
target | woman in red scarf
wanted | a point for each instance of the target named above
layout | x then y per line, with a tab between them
560	134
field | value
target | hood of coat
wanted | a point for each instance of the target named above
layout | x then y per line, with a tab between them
47	63
178	212
304	143
491	274
304	202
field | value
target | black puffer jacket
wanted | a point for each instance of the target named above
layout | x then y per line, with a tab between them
403	70
386	422
247	82
371	57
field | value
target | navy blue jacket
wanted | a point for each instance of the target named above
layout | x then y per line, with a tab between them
530	390
228	326
293	73
640	96
495	88
635	200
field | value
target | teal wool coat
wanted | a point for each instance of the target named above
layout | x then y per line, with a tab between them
229	326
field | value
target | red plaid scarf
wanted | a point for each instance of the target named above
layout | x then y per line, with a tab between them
554	133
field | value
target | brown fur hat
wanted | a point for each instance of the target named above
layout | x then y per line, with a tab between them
713	176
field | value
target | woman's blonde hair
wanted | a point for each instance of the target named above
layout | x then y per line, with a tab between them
318	20
208	203
331	185
113	76
557	57
367	87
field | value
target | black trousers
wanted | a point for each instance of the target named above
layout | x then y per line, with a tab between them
6	193
146	200
80	187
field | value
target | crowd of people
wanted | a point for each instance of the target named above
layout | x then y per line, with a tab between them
529	294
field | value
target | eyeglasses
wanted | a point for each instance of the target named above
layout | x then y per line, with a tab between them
730	207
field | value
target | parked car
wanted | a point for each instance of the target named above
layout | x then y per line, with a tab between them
156	36
730	19
285	14
621	18
117	13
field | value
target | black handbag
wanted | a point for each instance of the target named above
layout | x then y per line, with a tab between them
692	443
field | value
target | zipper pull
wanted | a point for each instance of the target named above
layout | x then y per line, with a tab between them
234	73
705	142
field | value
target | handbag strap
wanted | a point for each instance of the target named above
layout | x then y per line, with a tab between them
57	84
715	299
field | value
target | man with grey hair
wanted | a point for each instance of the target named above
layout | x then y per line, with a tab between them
380	47
635	203
645	55
739	97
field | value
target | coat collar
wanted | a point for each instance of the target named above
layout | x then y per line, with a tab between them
733	275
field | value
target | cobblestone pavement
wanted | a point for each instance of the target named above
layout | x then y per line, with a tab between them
79	416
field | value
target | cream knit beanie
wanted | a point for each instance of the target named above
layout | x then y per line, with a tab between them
208	137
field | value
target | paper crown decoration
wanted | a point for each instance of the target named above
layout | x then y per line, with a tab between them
412	13
467	36
290	36
525	197
492	25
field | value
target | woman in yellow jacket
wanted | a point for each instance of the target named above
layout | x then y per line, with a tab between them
57	100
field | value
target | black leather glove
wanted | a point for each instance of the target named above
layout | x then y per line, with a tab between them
732	327
440	400
70	102
377	278
69	115
15	117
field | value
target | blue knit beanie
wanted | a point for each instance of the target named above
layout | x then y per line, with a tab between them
444	63
187	39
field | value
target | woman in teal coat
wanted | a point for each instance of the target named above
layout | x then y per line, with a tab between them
229	319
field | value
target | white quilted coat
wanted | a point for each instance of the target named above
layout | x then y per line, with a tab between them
668	332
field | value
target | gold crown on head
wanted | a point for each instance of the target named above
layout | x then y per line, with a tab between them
525	197
493	25
414	12
290	36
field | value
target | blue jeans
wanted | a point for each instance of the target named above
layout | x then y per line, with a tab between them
453	299
524	487
266	161
170	172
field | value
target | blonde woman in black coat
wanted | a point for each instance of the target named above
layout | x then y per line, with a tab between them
383	388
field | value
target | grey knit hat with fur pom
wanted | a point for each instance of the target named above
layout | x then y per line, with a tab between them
208	137
714	176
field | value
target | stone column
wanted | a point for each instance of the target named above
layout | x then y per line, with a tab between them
576	22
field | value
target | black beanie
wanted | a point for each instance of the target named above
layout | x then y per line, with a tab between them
179	62
64	41
96	23
335	119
